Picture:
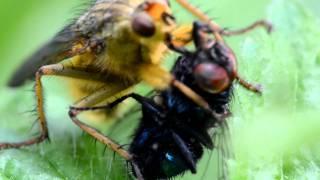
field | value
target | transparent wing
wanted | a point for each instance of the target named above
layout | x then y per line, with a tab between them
223	152
53	51
99	19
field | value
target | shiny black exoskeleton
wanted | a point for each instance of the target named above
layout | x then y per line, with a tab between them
173	131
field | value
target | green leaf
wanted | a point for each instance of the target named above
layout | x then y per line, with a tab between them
276	136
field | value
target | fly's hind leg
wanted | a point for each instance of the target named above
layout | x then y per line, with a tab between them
84	105
105	140
64	68
77	109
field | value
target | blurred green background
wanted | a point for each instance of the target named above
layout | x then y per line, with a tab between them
275	136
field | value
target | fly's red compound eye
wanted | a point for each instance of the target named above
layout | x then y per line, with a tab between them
143	22
211	77
143	25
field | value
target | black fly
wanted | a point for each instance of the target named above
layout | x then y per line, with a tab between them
174	131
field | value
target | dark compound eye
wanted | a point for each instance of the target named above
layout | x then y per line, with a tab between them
211	77
143	25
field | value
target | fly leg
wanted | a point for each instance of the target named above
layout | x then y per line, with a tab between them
199	39
61	69
256	88
185	152
203	17
260	23
217	30
110	105
145	102
185	34
162	79
84	105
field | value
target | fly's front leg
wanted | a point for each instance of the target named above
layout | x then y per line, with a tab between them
162	79
61	69
257	24
256	88
110	105
144	101
203	17
217	30
261	23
